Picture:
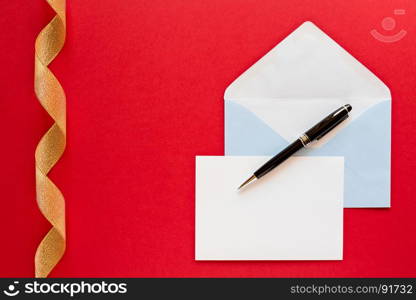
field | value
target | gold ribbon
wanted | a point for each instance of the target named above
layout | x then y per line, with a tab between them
51	146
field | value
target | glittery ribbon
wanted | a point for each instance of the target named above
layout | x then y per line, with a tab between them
51	146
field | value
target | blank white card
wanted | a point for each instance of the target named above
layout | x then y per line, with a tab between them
293	213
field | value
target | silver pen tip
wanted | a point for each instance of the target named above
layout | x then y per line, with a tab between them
247	181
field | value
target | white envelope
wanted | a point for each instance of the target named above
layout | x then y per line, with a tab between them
300	81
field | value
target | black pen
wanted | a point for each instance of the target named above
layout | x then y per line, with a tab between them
315	133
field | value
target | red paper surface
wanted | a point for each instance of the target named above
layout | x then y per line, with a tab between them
144	82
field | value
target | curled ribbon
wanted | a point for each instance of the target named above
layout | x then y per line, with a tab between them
51	95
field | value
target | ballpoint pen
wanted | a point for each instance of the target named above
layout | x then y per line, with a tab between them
315	133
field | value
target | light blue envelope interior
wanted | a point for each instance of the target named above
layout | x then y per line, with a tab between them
365	144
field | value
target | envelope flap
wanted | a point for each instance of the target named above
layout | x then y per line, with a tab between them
307	64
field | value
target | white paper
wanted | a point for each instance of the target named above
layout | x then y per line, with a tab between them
293	213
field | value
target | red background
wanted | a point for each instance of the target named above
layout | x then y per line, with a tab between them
144	82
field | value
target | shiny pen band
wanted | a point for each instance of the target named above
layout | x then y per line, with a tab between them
315	133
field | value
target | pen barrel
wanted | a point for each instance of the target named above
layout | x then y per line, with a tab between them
315	133
327	124
279	158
